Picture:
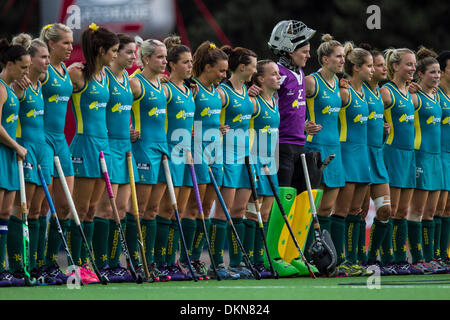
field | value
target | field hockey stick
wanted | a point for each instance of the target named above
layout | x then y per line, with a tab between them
247	261
136	216
200	210
323	250
173	199
258	213
29	281
55	216
137	278
74	212
326	162
285	218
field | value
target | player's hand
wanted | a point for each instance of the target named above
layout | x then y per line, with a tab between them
224	129
344	83
312	128
414	87
134	135
386	128
254	90
164	78
22	84
21	152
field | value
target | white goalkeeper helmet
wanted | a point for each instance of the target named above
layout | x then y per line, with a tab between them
287	35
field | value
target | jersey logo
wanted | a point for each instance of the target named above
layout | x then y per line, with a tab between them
269	130
119	107
206	112
183	114
12	118
359	118
240	117
34	113
156	112
95	105
295	104
329	110
446	120
406	118
433	120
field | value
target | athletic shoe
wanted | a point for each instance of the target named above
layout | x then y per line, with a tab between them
351	269
176	274
242	270
19	279
54	271
44	278
87	276
417	269
223	273
403	268
265	274
106	272
184	267
439	267
383	271
6	279
121	274
389	269
200	268
445	262
364	270
161	273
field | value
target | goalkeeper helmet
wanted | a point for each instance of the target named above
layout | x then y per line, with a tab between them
288	35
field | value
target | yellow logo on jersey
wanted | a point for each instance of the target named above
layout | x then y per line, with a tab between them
153	112
372	115
433	120
358	118
93	105
31	113
405	118
117	108
446	120
206	112
266	129
53	98
181	114
11	118
237	118
326	110
295	104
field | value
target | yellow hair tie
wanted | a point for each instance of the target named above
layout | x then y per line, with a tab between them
212	46
48	26
93	27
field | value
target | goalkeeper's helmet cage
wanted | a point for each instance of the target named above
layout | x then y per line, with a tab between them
287	35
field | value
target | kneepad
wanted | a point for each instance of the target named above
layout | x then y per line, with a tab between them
381	202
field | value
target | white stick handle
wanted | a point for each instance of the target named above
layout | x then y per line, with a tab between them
308	185
23	195
169	181
62	178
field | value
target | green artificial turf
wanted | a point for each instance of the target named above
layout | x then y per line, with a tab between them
305	288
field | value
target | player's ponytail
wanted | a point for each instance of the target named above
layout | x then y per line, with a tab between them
354	57
206	53
92	39
425	58
394	56
327	46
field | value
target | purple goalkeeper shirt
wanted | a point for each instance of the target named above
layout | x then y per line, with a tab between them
292	106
